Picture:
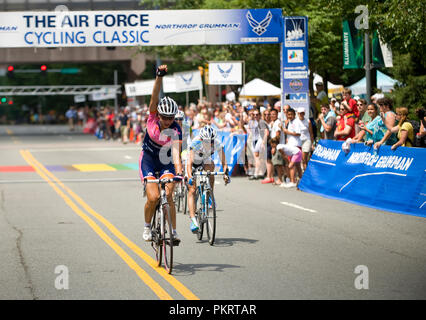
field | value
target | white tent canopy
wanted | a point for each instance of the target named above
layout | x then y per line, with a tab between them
384	83
332	88
259	88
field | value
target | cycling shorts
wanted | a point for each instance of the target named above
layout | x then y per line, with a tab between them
151	167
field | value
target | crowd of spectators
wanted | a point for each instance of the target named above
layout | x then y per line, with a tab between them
279	144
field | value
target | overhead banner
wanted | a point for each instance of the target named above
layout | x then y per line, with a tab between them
386	179
295	63
188	81
225	72
139	28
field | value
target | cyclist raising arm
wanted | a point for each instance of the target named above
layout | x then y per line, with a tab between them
200	156
163	140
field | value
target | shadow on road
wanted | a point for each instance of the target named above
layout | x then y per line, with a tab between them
190	269
228	242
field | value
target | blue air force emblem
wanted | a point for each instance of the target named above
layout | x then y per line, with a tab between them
225	73
187	80
259	27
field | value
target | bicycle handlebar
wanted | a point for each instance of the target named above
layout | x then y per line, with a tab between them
208	173
164	180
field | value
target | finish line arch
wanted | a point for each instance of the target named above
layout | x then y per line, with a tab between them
51	29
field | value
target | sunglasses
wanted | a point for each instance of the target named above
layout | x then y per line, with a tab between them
166	118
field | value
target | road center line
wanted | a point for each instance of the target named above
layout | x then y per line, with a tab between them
143	275
297	207
169	278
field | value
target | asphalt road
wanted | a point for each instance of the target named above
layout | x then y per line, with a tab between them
71	221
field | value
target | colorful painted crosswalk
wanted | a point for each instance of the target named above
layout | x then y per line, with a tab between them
84	167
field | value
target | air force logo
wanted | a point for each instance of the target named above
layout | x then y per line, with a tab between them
187	80
225	73
259	27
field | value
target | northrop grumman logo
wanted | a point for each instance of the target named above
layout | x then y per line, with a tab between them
225	73
259	27
8	28
187	80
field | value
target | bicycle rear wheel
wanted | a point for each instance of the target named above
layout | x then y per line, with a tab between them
210	216
178	193
156	243
199	214
185	199
167	239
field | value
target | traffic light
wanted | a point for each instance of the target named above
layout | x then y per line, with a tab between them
3	100
10	70
43	69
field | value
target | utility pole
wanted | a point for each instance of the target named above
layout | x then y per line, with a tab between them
361	22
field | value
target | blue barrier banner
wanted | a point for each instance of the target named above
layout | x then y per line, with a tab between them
233	145
386	179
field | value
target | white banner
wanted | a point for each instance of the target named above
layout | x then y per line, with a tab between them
139	27
225	72
144	87
188	81
139	88
99	96
79	98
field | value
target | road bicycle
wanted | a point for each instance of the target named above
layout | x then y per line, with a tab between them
205	211
161	226
180	197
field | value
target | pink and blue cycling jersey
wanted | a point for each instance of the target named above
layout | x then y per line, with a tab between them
155	139
156	148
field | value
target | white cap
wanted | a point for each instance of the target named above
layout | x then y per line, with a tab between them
300	110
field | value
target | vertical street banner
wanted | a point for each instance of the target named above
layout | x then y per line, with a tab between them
382	53
295	63
353	46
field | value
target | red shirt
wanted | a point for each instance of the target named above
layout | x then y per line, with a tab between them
354	108
347	119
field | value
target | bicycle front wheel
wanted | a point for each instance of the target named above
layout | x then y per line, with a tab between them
156	243
210	216
199	214
167	239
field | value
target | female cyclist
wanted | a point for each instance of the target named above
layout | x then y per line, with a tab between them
160	156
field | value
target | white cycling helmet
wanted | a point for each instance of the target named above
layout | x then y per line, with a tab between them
179	115
208	133
167	107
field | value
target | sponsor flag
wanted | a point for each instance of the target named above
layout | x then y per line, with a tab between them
353	46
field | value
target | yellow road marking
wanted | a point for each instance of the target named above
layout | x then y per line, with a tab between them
143	275
93	167
150	261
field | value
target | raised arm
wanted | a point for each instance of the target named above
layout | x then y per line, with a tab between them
161	71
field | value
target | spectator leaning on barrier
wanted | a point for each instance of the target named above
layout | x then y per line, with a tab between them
327	118
369	131
421	135
363	114
346	124
404	129
388	122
